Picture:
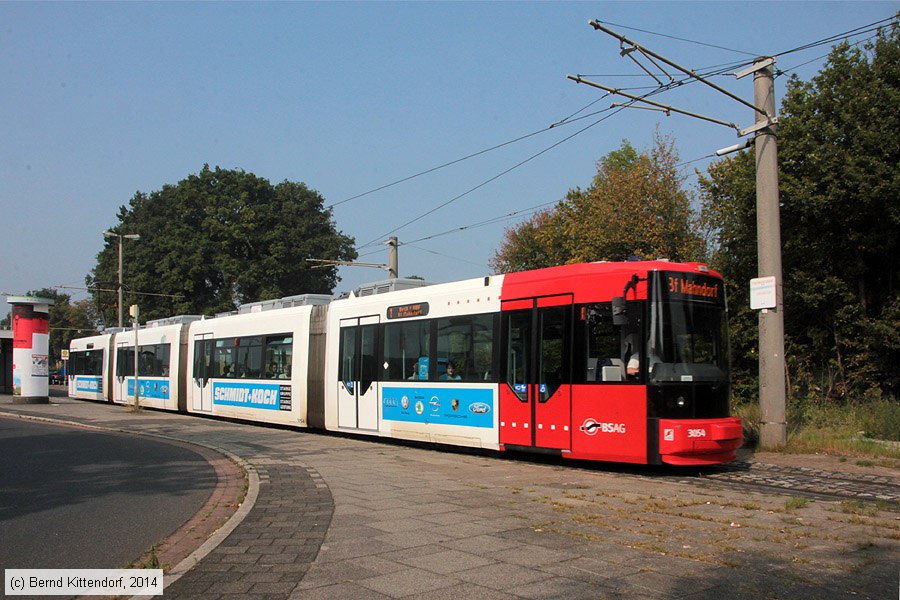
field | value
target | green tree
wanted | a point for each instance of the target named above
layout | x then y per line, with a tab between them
840	191
531	244
218	239
728	210
635	205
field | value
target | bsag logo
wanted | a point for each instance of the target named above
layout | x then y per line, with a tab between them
591	427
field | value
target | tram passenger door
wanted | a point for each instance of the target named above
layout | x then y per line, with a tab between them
120	393
536	398
357	386
203	370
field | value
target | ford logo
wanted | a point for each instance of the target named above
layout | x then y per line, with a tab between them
479	408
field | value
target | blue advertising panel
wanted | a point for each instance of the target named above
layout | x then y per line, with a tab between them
88	384
443	406
151	388
267	396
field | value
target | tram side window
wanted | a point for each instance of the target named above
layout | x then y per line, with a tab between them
248	357
466	343
406	351
603	348
87	362
279	351
223	359
162	355
153	361
252	357
125	362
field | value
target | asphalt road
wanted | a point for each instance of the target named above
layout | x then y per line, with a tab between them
77	498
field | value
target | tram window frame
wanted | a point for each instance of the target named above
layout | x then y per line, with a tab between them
153	360
125	361
250	357
95	362
470	343
222	359
554	354
607	344
87	362
477	359
279	350
348	366
414	336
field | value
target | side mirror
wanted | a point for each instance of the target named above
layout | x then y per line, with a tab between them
619	311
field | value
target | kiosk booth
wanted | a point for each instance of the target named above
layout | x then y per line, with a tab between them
30	349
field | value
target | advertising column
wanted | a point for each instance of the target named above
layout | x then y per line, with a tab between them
31	344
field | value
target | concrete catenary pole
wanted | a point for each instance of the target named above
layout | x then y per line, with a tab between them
135	313
130	236
772	396
119	287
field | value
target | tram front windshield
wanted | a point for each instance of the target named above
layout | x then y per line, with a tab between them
687	341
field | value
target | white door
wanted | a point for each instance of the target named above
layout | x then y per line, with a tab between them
357	376
201	389
124	357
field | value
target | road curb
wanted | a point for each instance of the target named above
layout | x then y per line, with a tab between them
223	532
220	534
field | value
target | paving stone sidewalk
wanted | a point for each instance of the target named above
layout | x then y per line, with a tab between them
339	517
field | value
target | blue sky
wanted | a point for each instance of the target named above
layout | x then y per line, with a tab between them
100	100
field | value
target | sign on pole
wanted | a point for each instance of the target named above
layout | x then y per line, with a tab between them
762	293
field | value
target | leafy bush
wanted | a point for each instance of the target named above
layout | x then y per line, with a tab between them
880	419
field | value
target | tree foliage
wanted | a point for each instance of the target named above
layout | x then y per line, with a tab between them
218	239
840	191
635	205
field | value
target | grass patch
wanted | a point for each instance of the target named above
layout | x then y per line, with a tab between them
795	503
856	429
858	507
148	561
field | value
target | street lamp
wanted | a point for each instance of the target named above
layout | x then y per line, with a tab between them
130	236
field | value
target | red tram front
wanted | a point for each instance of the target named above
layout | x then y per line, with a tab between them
619	362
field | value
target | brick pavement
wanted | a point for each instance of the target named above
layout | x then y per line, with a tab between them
338	517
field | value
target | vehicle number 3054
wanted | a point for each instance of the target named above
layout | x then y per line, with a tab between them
696	433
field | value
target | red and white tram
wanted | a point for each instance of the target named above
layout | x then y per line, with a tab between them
623	362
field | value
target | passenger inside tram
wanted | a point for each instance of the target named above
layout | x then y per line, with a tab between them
451	374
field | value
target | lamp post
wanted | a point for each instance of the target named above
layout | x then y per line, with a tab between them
134	311
130	236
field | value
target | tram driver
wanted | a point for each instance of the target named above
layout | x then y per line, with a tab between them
633	358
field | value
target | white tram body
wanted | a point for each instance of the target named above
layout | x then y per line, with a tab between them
253	365
162	349
417	333
89	361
